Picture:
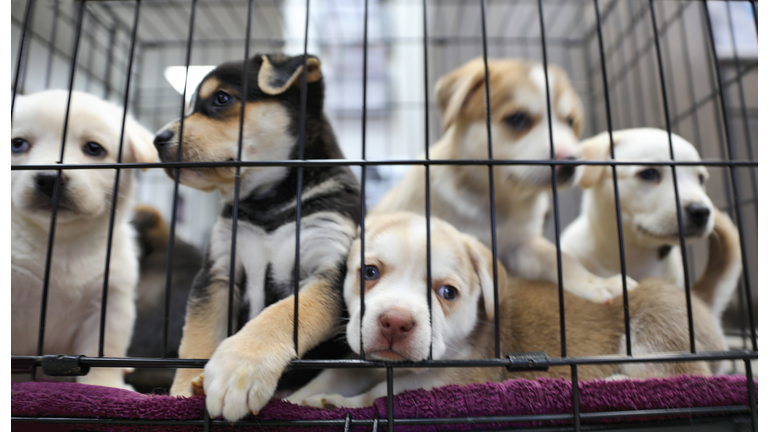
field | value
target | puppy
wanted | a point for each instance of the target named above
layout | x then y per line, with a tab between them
520	131
82	225
147	341
243	370
396	324
648	209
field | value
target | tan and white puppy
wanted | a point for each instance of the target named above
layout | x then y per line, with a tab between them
396	324
648	208
79	248
460	194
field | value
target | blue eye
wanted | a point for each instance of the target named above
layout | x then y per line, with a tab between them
519	120
19	145
370	272
94	150
447	292
650	174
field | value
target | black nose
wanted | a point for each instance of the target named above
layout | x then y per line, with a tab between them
565	172
163	138
46	182
698	214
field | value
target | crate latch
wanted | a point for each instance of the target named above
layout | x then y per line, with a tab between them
64	365
525	361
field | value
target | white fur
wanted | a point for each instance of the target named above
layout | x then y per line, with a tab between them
79	249
648	210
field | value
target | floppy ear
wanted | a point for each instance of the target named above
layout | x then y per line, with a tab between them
276	76
597	148
138	143
482	262
454	90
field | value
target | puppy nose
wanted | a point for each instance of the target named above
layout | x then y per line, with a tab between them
565	172
395	326
163	138
697	213
46	182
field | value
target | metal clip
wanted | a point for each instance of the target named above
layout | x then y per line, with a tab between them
525	361
64	365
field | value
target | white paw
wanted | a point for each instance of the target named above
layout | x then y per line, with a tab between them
240	378
328	401
604	290
617	377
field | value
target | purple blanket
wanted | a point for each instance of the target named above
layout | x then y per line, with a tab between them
513	397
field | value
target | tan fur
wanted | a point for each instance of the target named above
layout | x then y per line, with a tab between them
529	321
724	253
208	87
267	72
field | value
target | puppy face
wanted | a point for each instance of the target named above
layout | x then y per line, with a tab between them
93	136
396	324
270	127
647	193
519	117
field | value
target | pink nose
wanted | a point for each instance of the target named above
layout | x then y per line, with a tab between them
395	326
566	154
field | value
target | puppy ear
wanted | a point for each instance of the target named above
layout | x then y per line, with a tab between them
597	148
454	90
277	74
138	143
482	262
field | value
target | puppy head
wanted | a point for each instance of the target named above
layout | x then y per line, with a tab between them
270	127
396	324
647	193
93	136
519	117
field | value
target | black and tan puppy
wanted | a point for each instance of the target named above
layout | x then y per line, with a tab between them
243	370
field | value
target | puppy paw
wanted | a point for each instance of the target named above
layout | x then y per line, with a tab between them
197	386
242	375
603	290
329	401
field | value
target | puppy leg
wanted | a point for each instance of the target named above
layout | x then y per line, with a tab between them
205	327
345	382
121	314
243	372
537	259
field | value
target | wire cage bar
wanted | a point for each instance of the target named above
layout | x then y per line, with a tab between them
629	62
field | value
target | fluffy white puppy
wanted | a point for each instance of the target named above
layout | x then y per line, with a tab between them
80	242
648	207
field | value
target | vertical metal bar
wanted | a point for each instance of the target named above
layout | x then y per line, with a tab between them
680	232
751	393
115	188
51	44
575	396
176	172
362	177
347	422
302	139
496	330
390	402
754	13
734	184
616	198
21	59
375	427
426	179
563	348
206	420
108	66
236	199
743	103
57	187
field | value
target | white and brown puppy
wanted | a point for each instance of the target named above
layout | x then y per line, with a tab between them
396	324
648	209
80	242
460	194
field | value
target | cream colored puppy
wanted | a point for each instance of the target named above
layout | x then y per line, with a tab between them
396	324
520	131
79	249
648	209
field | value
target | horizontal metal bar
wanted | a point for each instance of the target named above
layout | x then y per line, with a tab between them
356	363
359	162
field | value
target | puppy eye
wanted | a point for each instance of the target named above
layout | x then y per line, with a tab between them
94	150
519	121
370	272
447	292
650	174
570	120
19	145
702	179
222	99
